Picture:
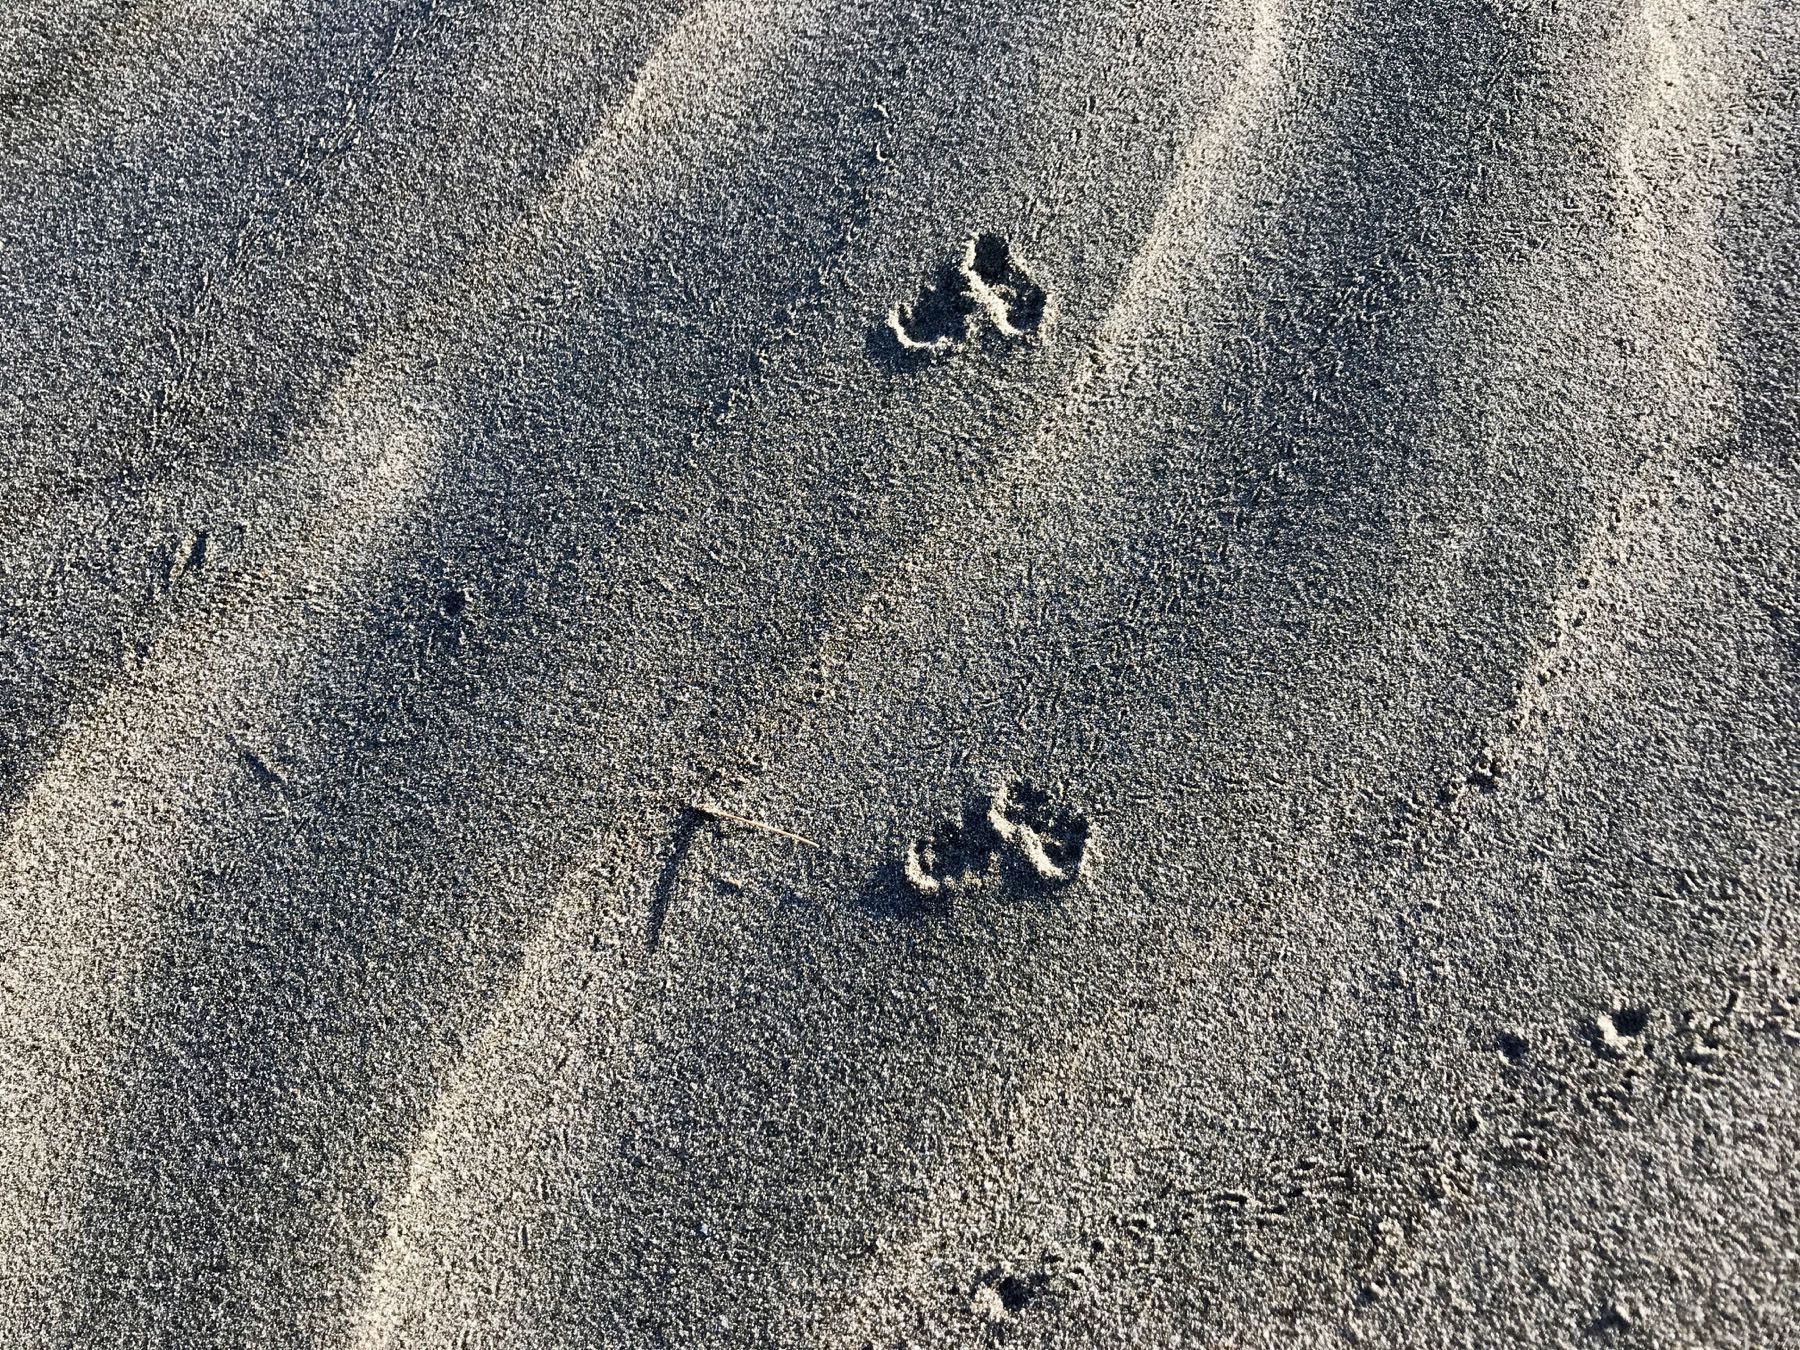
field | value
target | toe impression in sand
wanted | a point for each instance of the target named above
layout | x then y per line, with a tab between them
1018	821
987	291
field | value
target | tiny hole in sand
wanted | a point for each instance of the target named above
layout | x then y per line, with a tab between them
1016	1292
1631	1021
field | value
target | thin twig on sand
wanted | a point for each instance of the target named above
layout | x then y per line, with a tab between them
712	812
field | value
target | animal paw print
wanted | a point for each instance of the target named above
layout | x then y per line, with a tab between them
952	859
1051	837
988	289
1047	841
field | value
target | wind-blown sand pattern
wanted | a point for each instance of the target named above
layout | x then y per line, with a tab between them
816	674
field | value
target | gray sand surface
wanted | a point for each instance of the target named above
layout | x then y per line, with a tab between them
1256	543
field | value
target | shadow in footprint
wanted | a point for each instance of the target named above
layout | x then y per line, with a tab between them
956	857
1017	838
1051	837
1014	303
986	295
888	895
934	325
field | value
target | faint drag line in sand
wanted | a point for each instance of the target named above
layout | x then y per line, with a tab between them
1671	101
1671	108
706	69
85	857
62	79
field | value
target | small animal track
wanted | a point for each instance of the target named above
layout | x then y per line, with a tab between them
1019	822
1562	1091
1051	837
952	859
986	293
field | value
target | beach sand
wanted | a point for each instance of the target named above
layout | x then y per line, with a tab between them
823	674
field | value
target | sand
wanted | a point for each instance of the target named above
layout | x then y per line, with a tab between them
824	674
